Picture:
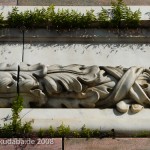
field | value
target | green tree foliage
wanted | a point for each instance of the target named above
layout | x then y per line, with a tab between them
119	16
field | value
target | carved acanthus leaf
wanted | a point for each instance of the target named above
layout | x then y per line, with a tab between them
76	86
55	82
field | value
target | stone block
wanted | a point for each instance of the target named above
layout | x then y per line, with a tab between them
60	2
88	54
8	2
107	143
126	124
79	2
10	52
32	143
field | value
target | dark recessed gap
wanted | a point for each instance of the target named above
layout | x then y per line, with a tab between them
18	75
109	90
144	86
10	84
64	106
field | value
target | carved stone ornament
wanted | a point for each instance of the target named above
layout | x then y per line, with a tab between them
76	86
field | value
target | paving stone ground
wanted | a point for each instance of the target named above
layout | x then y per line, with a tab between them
43	144
8	2
107	144
69	2
80	2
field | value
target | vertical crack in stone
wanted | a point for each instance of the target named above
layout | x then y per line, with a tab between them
18	75
23	29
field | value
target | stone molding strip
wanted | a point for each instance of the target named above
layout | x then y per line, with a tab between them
104	120
87	35
77	36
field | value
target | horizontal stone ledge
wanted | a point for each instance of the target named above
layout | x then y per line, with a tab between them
79	35
103	119
91	40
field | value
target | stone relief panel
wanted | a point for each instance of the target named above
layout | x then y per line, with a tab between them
77	86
